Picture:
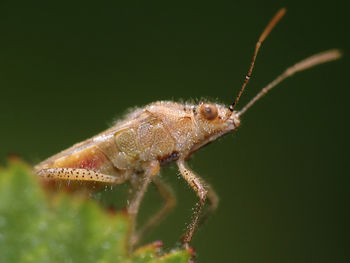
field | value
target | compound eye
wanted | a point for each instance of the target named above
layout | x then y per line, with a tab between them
208	111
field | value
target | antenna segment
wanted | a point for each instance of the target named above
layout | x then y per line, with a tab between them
262	37
307	63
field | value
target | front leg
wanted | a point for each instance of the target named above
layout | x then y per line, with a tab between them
202	191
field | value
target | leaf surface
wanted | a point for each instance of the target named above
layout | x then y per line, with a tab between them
66	228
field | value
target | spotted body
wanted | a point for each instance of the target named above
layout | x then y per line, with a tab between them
162	131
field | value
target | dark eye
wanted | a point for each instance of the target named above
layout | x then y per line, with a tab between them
209	111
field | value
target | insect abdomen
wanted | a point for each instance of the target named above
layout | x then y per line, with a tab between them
89	158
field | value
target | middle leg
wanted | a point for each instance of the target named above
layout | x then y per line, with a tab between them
168	196
134	205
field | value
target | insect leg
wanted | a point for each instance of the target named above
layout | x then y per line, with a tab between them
134	205
75	174
167	194
213	202
201	190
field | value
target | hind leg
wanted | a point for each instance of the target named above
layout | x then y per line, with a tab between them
75	174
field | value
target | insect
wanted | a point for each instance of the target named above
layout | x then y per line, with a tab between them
134	149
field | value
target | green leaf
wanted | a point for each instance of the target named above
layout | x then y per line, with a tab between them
66	228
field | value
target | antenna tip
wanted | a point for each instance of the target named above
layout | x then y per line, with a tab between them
280	13
336	53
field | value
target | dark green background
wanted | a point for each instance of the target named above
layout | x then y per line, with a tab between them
68	69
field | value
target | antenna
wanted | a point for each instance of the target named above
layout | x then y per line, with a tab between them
262	37
307	63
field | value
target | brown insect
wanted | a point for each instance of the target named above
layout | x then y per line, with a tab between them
135	148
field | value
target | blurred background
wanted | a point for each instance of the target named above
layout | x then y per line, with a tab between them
68	69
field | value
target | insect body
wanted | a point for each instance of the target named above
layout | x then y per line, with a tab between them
134	149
